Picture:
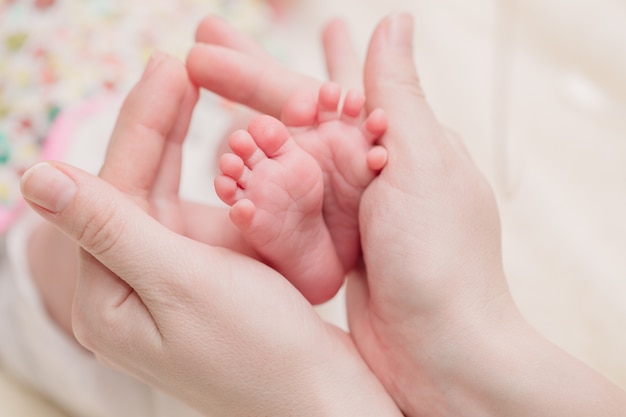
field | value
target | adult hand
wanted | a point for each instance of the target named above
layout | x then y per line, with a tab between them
223	332
431	312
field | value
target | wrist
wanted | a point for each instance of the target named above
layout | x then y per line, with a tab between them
494	363
344	385
479	364
454	358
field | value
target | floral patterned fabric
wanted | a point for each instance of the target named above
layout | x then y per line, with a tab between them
56	53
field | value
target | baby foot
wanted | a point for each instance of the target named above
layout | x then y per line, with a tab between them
276	190
342	140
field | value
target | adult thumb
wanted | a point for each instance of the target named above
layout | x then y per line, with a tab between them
389	61
392	83
116	236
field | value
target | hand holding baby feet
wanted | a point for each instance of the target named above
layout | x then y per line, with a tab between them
275	190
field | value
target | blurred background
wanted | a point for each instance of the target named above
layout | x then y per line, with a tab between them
537	90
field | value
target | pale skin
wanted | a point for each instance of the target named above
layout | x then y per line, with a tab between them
295	197
316	243
432	317
282	347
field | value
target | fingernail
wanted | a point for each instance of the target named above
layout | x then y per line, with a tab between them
400	30
155	59
48	187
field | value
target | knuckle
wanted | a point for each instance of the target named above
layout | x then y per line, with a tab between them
100	229
82	326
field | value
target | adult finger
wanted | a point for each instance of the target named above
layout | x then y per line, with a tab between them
342	61
261	84
215	30
164	194
146	121
98	217
392	83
